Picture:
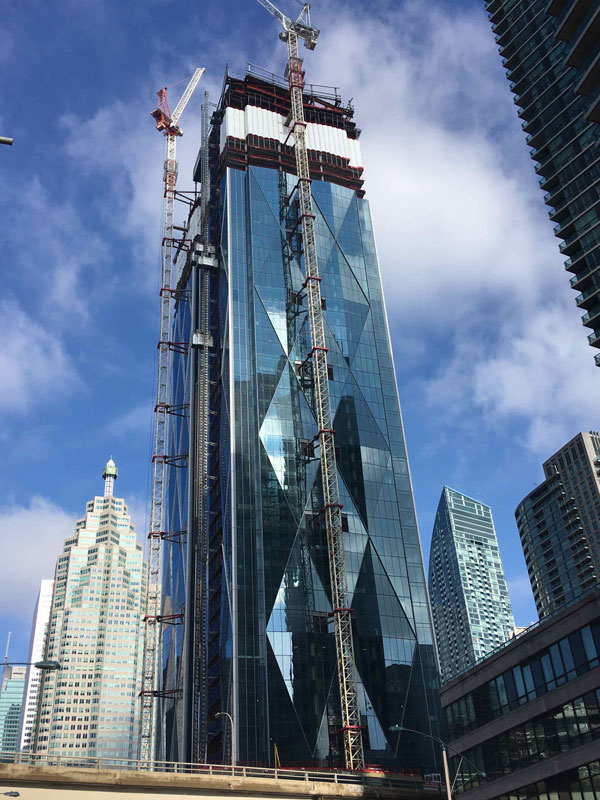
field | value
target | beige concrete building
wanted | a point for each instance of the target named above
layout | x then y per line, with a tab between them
90	706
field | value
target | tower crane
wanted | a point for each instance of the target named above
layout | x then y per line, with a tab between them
167	123
350	713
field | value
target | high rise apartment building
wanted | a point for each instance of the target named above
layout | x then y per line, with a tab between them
471	608
255	594
551	52
37	642
559	525
11	703
90	707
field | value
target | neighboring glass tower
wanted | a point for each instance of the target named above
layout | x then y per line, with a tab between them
551	51
257	638
559	525
90	707
471	609
11	703
37	643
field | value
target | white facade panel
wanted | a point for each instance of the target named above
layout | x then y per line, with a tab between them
261	122
41	615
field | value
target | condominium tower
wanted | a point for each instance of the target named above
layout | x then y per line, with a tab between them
254	592
471	608
559	525
89	707
37	643
551	51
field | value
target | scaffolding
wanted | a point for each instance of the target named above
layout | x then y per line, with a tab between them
167	123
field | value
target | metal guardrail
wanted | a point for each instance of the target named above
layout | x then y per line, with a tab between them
365	777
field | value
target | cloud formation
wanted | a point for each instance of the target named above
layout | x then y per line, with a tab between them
470	266
32	536
34	364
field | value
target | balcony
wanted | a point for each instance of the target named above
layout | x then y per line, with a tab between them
579	281
570	18
554	7
570	244
594	340
585	37
589	298
591	75
592	318
593	115
571	263
597	359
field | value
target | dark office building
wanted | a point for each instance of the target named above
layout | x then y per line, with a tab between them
526	720
257	635
551	52
559	525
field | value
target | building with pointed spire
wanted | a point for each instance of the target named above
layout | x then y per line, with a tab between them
90	706
109	475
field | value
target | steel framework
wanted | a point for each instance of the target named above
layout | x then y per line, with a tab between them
167	123
205	263
350	713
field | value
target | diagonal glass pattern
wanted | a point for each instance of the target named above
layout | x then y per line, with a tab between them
272	661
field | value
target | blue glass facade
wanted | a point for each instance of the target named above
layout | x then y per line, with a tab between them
267	646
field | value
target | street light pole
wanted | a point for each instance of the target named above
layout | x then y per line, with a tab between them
230	718
446	772
400	728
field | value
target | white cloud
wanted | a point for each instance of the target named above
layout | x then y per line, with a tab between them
544	373
536	370
32	538
455	221
139	512
469	262
34	366
57	252
131	170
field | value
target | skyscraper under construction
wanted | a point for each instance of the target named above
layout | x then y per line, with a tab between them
253	609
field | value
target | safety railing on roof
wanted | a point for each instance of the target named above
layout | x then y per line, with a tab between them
331	93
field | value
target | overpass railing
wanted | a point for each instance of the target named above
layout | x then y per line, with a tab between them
370	777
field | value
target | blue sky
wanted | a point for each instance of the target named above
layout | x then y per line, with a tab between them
493	367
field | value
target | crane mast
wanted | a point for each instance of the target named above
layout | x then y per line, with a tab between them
350	713
167	123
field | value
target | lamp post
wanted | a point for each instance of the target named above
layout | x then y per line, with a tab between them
445	748
230	718
49	666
